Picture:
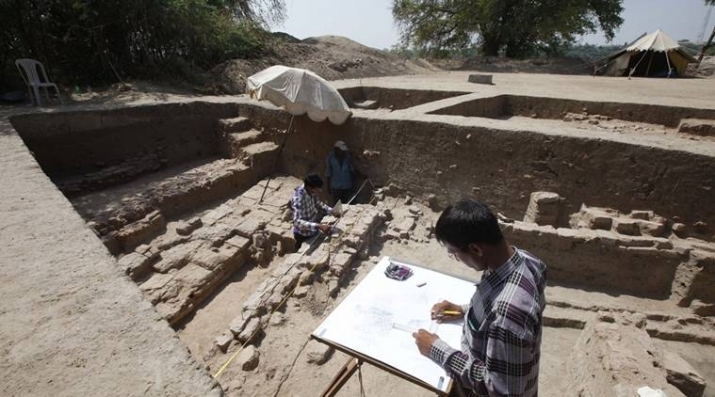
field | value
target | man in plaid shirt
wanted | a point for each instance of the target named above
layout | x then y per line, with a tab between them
307	209
501	339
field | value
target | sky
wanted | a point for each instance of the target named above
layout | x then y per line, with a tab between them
370	21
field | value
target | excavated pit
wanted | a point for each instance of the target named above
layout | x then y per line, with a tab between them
174	192
615	118
507	106
380	97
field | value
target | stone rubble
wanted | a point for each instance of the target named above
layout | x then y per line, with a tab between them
182	270
614	358
247	360
545	208
223	341
330	259
317	353
252	330
141	214
682	375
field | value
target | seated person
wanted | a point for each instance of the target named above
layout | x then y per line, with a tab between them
307	209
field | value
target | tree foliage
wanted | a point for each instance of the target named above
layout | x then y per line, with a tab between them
709	43
92	41
518	28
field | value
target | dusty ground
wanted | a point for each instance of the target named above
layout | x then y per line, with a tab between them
70	323
699	356
283	369
36	339
673	92
503	65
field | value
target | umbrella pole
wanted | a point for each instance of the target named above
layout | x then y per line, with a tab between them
278	158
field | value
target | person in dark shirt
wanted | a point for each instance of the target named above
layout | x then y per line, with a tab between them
341	173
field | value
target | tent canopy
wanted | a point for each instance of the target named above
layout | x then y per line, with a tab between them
655	54
656	41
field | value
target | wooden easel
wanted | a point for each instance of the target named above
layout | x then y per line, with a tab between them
336	330
342	377
355	360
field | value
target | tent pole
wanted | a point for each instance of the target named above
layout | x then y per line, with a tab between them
670	70
278	158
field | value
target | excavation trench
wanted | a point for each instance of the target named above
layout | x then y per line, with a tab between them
173	191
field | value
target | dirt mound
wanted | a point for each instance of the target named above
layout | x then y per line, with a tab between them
331	57
706	68
506	65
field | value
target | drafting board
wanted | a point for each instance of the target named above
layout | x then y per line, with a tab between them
364	322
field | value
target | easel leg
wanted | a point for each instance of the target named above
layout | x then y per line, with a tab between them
342	377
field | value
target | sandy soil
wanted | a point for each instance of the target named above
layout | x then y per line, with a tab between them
284	371
70	323
696	93
72	275
701	357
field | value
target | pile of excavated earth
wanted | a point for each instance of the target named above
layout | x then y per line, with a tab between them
148	248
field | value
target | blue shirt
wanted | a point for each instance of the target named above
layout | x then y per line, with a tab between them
340	176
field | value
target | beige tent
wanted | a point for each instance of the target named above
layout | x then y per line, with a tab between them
653	55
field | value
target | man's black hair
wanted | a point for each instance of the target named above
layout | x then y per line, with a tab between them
313	180
468	222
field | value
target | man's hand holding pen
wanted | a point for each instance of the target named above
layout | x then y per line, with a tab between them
446	311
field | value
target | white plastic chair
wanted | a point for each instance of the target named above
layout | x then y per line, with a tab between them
33	72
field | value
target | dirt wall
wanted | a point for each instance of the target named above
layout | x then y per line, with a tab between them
600	260
503	167
70	323
556	108
394	98
493	107
75	143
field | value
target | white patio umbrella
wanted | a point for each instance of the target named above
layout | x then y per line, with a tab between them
298	92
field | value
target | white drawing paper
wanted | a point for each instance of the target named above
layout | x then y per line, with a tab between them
375	317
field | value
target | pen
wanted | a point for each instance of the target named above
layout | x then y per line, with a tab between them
449	313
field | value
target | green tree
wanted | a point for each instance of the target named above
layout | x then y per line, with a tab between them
95	41
516	27
709	43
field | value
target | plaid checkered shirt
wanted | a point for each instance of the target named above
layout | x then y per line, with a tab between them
306	208
501	339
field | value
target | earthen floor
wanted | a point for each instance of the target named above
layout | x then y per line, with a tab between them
72	323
